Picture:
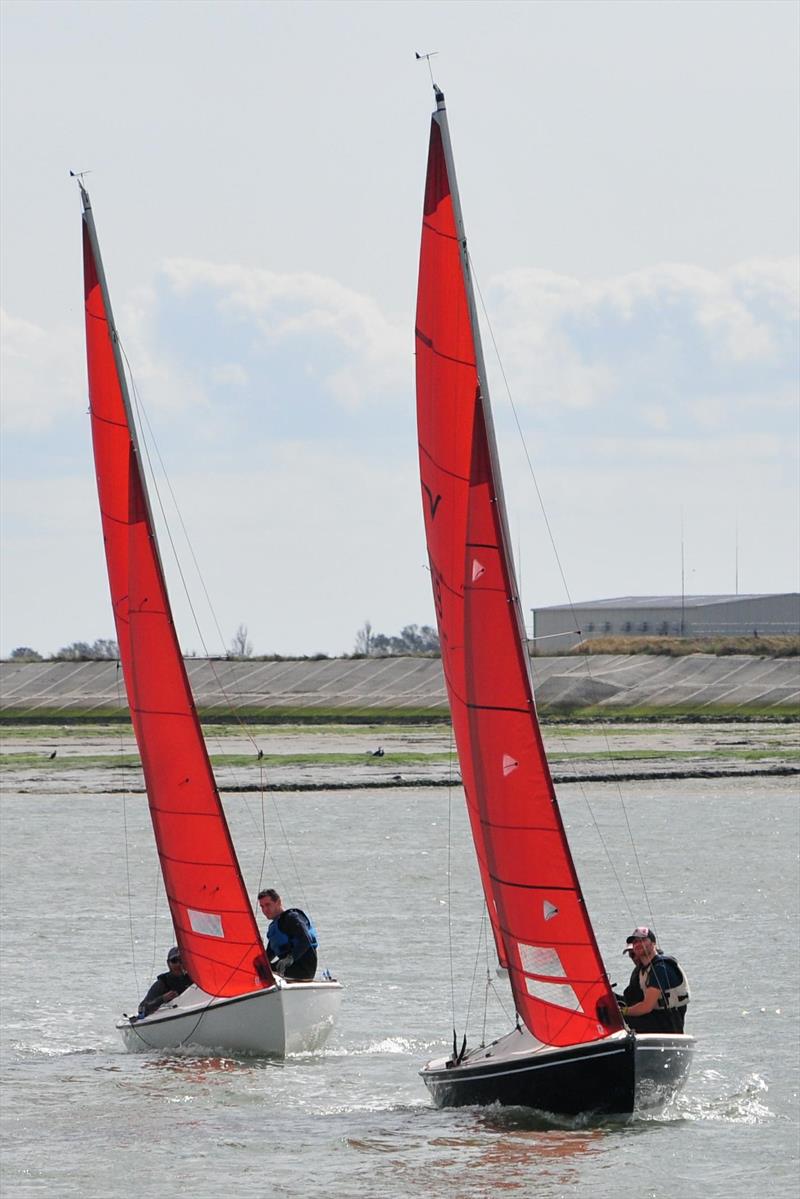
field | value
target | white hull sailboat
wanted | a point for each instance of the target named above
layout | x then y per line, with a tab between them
571	1051
272	1022
237	1004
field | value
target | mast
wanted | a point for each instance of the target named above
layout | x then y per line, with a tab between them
441	119
211	912
541	927
122	379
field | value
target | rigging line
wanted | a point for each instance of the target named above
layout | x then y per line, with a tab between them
559	564
142	411
558	733
488	985
145	420
450	881
287	842
481	931
125	796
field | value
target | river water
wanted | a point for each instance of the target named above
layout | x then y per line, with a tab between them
84	932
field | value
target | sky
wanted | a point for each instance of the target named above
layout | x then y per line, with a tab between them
629	180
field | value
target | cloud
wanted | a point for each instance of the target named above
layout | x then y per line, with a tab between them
41	374
652	347
308	310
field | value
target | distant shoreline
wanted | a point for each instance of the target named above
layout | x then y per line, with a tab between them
102	758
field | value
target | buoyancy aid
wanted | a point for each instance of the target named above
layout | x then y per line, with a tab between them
677	995
279	943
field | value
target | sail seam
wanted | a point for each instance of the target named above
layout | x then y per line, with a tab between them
451	474
440	232
441	354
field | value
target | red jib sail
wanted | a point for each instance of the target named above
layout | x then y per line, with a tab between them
541	927
214	923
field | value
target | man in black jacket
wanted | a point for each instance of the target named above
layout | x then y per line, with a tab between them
167	986
655	999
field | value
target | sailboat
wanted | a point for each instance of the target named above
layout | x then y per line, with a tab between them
570	1051
236	1004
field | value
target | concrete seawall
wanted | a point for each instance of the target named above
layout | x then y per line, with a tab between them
609	684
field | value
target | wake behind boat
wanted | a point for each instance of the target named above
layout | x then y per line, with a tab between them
572	1052
236	1004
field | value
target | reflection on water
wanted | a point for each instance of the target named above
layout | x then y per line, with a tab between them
554	1154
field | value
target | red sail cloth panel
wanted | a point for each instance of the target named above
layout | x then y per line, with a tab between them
541	926
214	923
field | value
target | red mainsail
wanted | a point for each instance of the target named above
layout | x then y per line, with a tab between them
214	922
541	927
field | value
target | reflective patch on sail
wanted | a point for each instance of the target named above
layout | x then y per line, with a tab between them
535	959
477	569
550	910
538	959
206	923
509	764
561	994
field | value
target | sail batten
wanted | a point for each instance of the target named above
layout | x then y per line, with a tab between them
523	856
221	948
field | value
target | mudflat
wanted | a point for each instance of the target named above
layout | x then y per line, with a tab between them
103	758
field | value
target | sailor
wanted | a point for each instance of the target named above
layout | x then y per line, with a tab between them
167	986
655	999
291	938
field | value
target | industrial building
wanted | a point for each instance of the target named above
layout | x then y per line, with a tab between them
559	627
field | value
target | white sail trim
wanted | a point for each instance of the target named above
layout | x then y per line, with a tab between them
560	994
509	764
549	910
535	959
553	987
478	569
209	924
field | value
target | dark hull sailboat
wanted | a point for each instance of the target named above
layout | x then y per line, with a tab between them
628	1072
236	1003
572	1051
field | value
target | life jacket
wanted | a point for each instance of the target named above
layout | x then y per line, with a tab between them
678	995
279	943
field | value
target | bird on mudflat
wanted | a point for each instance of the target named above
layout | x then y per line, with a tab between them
376	753
52	755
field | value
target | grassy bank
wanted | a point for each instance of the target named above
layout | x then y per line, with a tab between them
406	717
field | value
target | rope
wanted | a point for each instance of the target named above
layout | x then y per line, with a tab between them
562	573
228	695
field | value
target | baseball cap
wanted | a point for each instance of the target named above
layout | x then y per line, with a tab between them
642	933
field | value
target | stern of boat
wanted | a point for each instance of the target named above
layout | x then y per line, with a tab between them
663	1062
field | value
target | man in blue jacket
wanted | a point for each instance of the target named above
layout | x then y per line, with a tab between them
291	938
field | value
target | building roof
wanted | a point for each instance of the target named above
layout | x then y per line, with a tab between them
660	601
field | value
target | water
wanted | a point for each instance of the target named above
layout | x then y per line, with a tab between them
81	1117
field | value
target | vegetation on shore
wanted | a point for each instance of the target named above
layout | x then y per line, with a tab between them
679	647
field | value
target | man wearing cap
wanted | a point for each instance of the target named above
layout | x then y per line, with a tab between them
655	999
169	985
